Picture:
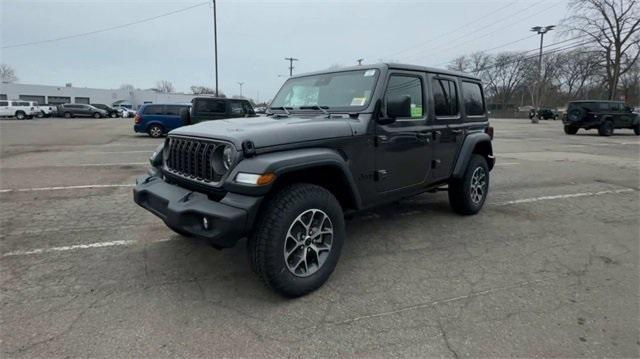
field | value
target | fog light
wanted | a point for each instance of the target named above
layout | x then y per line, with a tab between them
205	222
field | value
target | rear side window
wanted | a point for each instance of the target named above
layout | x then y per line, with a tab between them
4	103
153	110
402	86
209	106
445	98
472	98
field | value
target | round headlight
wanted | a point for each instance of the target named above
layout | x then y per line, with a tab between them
228	156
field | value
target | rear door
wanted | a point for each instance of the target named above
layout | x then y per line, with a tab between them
172	116
402	152
448	128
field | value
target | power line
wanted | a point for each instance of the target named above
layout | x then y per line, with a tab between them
447	47
105	29
483	17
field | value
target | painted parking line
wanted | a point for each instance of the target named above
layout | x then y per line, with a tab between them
563	196
81	246
89	186
500	164
100	164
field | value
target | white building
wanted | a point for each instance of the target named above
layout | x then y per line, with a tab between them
67	94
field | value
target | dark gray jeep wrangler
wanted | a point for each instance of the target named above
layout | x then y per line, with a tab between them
333	143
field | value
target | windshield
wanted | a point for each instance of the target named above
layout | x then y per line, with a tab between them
347	90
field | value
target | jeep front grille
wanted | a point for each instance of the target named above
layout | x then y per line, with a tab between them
191	158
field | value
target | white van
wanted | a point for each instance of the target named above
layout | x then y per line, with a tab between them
18	109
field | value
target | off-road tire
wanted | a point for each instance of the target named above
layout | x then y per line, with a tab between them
266	245
461	197
606	128
67	115
636	129
570	130
21	115
155	131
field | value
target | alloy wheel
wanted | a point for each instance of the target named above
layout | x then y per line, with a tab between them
308	242
478	185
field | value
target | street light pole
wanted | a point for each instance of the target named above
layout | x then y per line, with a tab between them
240	83
291	60
215	41
541	30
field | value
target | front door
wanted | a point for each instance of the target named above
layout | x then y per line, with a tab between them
448	131
402	152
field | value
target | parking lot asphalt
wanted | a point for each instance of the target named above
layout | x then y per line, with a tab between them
549	268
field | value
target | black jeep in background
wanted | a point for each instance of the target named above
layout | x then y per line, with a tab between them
332	143
209	108
111	112
605	116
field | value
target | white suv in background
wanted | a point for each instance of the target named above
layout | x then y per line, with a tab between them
18	109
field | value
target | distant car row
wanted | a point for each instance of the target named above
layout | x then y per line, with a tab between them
30	109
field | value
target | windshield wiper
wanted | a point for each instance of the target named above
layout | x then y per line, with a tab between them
285	109
316	107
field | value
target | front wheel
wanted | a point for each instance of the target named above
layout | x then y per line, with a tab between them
468	194
297	240
40	114
67	115
97	115
20	115
570	130
636	129
114	115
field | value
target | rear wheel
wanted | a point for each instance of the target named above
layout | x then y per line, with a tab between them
636	129
67	115
40	114
20	115
570	130
97	115
155	131
297	240
468	194
606	128
114	115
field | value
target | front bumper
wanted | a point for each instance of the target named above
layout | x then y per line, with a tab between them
228	220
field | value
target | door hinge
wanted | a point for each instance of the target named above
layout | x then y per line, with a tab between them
380	175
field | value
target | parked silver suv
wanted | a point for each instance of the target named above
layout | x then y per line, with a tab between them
69	110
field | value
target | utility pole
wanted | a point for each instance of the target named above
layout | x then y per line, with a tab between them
360	62
540	30
215	41
291	60
240	83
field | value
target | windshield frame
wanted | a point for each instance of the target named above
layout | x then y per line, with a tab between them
332	109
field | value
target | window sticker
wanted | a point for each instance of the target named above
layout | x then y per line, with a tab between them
369	73
416	111
358	101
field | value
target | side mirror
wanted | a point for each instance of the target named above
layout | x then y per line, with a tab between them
396	108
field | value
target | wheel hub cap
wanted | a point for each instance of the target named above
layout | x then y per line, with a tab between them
308	242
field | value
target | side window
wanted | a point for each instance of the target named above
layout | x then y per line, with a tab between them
472	98
604	106
236	108
153	110
4	103
445	97
248	109
403	86
207	106
172	110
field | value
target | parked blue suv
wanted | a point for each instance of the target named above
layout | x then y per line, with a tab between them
158	119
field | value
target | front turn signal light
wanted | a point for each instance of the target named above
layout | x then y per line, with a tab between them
256	179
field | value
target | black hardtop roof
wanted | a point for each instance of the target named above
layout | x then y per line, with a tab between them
395	66
213	97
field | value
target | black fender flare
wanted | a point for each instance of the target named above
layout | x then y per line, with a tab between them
468	146
284	162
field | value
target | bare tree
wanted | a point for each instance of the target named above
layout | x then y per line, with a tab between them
165	86
7	74
474	64
127	87
615	26
200	90
578	69
505	75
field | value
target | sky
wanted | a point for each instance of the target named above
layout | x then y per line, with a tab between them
254	37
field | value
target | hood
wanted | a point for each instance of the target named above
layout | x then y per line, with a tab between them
268	131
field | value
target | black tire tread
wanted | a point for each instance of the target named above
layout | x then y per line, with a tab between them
267	223
458	194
